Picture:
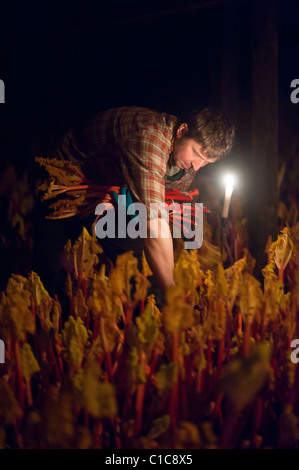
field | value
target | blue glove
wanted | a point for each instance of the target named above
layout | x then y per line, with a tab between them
124	192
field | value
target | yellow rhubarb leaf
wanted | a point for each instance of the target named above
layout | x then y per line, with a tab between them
98	398
74	336
234	279
62	172
244	378
251	297
187	272
85	250
283	249
177	314
29	362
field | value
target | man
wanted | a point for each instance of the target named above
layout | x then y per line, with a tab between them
148	151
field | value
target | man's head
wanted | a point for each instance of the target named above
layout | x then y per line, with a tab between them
206	137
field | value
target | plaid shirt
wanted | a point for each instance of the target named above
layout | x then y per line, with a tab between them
128	146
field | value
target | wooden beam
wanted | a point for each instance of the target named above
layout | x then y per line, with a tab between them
173	11
263	197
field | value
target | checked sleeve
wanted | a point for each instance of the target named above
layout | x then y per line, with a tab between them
145	160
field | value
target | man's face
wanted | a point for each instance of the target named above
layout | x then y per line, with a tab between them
187	153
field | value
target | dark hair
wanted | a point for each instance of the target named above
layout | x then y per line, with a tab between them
213	130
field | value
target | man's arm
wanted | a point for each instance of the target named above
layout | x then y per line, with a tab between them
159	251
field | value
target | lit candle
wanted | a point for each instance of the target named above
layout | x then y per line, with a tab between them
228	194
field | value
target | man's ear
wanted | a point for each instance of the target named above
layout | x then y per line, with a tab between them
182	130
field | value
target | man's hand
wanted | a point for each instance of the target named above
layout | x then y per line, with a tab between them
158	248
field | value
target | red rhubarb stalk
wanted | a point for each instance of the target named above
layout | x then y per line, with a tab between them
228	429
246	344
108	364
36	351
209	355
29	392
190	369
129	315
140	395
96	328
257	416
183	396
8	349
209	364
174	390
116	432
71	306
59	359
86	419
153	365
217	410
53	362
221	349
17	353
200	375
239	317
85	289
228	342
98	434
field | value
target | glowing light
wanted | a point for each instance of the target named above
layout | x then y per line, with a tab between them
229	187
229	179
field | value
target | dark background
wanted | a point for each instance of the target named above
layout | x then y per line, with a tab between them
62	61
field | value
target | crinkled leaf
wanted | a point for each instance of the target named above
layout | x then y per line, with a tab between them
85	252
283	249
251	297
159	426
74	337
270	276
209	283
59	422
221	282
177	313
146	270
167	376
141	286
215	324
288	429
28	361
126	280
62	172
9	408
187	272
42	301
245	377
99	399
80	307
16	318
147	328
136	373
234	279
187	436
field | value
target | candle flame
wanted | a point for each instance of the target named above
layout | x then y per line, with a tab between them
229	179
